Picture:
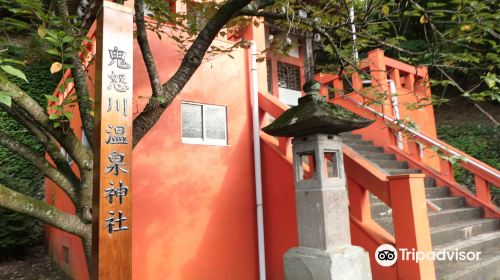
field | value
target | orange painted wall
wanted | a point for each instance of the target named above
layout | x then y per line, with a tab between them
56	239
194	205
279	209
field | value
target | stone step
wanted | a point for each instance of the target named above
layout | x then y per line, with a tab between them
484	243
440	218
375	155
435	192
429	182
380	210
430	193
391	164
450	216
450	202
386	223
374	199
402	171
366	148
455	227
462	230
486	268
355	141
347	135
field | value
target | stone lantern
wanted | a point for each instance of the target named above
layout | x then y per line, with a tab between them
325	251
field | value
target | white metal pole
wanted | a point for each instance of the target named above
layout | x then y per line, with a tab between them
395	107
353	30
257	162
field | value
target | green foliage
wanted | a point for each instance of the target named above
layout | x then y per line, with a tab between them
457	39
17	230
481	141
7	68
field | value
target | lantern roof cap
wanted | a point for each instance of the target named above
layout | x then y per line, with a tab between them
315	115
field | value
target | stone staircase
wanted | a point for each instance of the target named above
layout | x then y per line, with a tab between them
455	227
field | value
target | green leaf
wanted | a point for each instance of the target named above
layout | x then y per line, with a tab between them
14	72
53	51
51	33
11	94
62	88
435	4
5	99
68	115
67	39
490	81
52	98
53	41
53	116
67	66
57	124
14	61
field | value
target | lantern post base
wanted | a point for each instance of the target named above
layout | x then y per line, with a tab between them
341	263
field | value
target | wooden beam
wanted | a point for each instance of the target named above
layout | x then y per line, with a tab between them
112	192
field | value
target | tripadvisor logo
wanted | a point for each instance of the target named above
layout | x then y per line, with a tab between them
386	255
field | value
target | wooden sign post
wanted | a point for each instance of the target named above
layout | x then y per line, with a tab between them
112	193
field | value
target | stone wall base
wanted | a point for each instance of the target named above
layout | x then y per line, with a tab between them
341	263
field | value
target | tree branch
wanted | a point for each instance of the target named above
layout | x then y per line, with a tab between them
488	115
326	29
257	5
77	73
147	55
40	163
83	98
463	92
47	140
40	210
192	60
69	141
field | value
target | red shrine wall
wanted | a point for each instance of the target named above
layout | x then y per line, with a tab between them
193	205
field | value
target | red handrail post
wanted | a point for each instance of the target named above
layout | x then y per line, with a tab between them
482	189
414	150
359	201
284	145
395	76
378	73
411	225
447	169
410	82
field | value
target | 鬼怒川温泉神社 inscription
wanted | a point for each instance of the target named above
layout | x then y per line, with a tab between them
116	135
118	93
112	207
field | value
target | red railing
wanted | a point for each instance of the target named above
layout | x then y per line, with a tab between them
405	194
420	148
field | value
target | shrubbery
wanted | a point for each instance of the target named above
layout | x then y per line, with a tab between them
481	141
16	230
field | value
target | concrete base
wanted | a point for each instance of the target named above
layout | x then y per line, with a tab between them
341	263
